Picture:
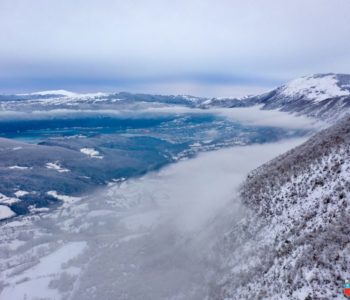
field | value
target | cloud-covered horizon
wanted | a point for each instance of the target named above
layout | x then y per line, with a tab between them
203	47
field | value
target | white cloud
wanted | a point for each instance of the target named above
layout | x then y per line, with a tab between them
255	116
195	191
249	115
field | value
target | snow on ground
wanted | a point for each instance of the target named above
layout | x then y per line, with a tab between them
57	167
145	238
6	212
7	200
91	152
18	168
314	88
35	282
21	193
297	230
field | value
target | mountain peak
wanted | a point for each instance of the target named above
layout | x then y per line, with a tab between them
318	87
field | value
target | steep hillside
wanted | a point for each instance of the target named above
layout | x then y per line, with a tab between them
294	242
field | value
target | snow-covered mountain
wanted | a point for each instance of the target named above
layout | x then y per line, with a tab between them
318	87
325	96
294	242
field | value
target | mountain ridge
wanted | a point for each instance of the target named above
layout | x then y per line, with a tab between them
321	96
294	242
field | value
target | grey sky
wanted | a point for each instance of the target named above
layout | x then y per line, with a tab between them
188	46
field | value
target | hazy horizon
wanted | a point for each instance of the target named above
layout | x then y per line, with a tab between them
200	48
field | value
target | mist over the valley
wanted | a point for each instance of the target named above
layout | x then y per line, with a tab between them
146	238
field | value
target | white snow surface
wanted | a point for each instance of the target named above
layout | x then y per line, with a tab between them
145	238
6	212
20	193
56	166
18	168
314	88
294	242
48	269
7	200
91	152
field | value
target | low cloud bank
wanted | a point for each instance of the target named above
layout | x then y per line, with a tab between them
248	115
194	191
180	214
256	116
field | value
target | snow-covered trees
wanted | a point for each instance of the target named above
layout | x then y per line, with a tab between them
294	242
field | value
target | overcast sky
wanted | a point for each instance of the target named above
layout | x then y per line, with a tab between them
200	47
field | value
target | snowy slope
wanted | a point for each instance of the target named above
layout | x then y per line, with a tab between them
294	242
6	212
316	88
323	96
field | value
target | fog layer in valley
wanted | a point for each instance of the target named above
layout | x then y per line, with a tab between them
247	115
147	238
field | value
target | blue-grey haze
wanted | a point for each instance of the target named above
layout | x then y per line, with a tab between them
211	48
